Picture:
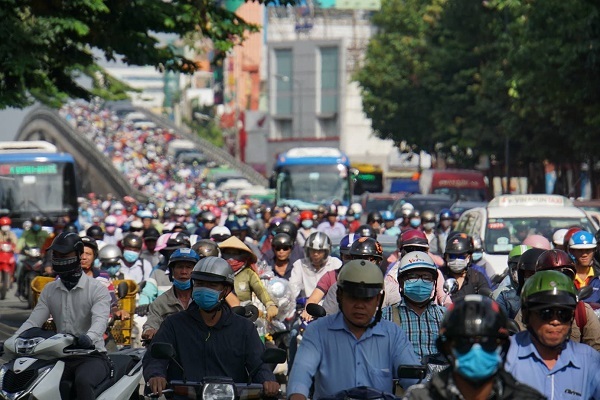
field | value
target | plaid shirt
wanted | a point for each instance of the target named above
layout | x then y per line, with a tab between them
422	330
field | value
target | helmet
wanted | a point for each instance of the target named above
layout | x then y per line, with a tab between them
318	241
428	216
206	248
132	240
558	238
287	227
417	260
95	232
91	243
233	225
70	228
516	253
474	315
477	243
387	216
549	288
172	241
220	233
332	210
110	220
366	247
366	231
537	241
415	214
406	209
374	216
445	214
5	221
356	208
568	235
529	259
360	278
213	269
413	237
110	254
274	223
306	215
67	242
459	244
321	209
208	216
346	242
144	214
582	240
37	219
151	233
282	239
557	260
183	255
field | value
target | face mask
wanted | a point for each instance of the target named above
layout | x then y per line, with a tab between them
112	270
477	364
235	265
5	228
182	285
307	224
478	255
96	263
206	298
457	265
65	265
350	218
70	279
36	228
131	256
110	229
429	225
418	291
415	222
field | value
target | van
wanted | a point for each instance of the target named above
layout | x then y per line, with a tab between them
459	184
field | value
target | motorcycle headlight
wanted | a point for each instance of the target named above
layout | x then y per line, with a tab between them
218	391
26	346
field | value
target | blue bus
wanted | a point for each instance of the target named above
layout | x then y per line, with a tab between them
305	177
35	179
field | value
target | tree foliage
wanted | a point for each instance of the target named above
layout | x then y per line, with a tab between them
458	74
45	44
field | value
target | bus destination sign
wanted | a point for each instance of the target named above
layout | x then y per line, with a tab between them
28	169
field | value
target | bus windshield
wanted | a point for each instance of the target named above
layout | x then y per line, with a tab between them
314	184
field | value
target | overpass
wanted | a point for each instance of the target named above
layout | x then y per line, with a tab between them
96	172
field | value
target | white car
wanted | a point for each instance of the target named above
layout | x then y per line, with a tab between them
533	214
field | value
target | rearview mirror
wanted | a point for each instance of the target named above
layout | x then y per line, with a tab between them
450	286
585	292
412	372
162	351
122	290
274	356
315	310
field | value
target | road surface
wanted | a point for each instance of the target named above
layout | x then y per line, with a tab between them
13	312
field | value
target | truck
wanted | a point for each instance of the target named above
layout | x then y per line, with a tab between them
459	184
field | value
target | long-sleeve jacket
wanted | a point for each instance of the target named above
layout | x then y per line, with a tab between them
164	305
246	282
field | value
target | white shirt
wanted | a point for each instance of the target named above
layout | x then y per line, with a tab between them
138	272
85	309
305	276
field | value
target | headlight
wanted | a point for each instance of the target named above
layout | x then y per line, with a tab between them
218	391
26	346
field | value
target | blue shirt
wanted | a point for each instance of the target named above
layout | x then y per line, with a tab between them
575	375
331	354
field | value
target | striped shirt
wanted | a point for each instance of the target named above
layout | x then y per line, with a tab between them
422	330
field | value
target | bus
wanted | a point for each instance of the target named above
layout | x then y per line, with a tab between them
305	177
35	179
369	178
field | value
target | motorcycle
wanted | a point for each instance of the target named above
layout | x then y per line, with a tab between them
37	365
7	267
32	267
222	388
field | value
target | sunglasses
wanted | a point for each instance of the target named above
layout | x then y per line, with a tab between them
564	315
412	278
282	248
463	345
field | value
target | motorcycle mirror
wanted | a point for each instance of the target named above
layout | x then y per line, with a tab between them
450	286
513	327
274	356
584	292
162	351
122	290
412	372
251	312
239	310
315	310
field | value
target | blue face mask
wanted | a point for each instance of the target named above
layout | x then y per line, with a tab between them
477	364
418	291
131	256
96	263
206	298
182	285
415	222
307	224
112	270
477	255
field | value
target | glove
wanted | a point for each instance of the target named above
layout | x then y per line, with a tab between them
142	310
272	311
84	342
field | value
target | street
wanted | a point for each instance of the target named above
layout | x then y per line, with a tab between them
13	312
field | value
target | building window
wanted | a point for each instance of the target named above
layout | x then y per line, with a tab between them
284	87
283	128
328	127
329	80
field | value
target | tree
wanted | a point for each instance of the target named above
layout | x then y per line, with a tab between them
45	44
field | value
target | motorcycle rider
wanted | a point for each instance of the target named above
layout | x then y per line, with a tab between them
544	351
331	226
132	266
112	233
374	220
353	347
507	294
31	238
443	230
307	227
280	261
474	339
428	222
79	305
110	257
582	247
209	339
389	227
149	251
6	234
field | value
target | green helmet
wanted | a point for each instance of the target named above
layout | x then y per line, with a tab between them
517	252
360	278
549	288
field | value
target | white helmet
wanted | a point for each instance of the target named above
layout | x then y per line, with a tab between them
318	241
356	208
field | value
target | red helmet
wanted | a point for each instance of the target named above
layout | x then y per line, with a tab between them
557	260
306	215
413	237
5	221
568	235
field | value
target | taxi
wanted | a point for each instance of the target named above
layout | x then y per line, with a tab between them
508	219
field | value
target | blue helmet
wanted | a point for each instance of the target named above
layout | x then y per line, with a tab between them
183	254
387	215
582	240
346	242
446	214
233	225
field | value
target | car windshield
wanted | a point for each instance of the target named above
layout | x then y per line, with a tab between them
504	233
379	205
314	183
423	204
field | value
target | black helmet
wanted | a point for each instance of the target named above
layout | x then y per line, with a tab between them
213	269
37	219
151	233
67	242
70	227
472	316
282	239
178	240
366	231
95	232
527	262
208	216
459	244
132	240
374	216
206	248
287	227
91	243
365	247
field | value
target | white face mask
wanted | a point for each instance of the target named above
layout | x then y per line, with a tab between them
5	228
458	265
428	226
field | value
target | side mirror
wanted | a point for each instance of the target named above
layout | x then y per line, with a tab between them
412	372
450	286
162	351
585	292
274	356
315	310
513	327
122	290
